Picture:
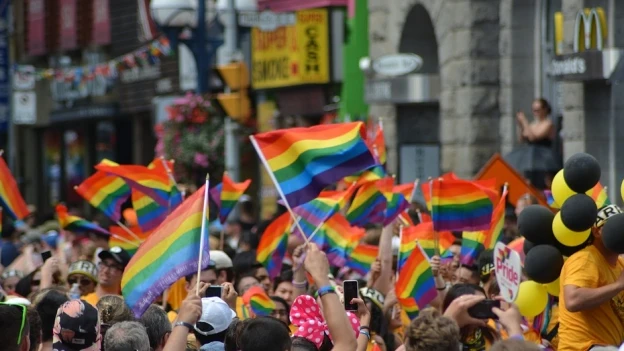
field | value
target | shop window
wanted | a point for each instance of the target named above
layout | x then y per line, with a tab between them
75	163
106	141
52	165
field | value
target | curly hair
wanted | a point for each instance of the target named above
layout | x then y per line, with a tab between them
113	309
430	331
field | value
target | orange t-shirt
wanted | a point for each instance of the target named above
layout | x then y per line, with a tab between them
91	298
602	325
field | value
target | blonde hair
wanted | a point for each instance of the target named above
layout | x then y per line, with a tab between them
431	331
113	309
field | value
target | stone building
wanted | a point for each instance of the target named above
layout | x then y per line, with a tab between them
482	61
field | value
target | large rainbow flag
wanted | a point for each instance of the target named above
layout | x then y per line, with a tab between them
273	244
10	198
460	205
170	253
226	195
304	161
105	192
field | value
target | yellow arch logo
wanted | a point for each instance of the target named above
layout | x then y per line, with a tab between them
590	30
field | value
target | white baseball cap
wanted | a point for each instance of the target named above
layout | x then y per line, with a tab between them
215	318
220	260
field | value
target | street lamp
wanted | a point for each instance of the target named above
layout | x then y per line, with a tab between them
173	16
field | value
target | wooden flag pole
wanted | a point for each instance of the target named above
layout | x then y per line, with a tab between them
203	231
123	226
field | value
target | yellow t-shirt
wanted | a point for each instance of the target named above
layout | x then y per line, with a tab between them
602	325
91	298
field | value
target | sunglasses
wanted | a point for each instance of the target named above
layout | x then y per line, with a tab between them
23	309
81	281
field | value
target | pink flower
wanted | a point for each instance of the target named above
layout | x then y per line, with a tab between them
201	159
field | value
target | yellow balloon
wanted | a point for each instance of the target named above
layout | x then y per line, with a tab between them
553	288
560	190
532	298
566	236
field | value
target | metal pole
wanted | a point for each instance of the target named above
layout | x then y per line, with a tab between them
200	49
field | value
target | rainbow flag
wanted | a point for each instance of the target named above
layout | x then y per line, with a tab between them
423	235
406	219
120	237
226	195
410	307
397	205
375	173
599	194
407	190
338	239
105	192
369	203
362	257
495	233
473	243
319	210
169	253
149	213
304	161
258	301
460	205
152	182
76	224
379	145
416	279
166	167
10	198
273	243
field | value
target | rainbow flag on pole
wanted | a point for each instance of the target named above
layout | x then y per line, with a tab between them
495	233
105	192
273	244
170	253
397	205
152	182
422	234
226	195
76	224
460	205
369	203
10	198
416	279
304	161
362	257
120	237
473	243
599	194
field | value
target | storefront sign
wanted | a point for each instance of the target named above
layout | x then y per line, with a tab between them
36	27
397	65
101	22
69	91
590	30
68	23
413	88
24	107
586	65
294	54
266	21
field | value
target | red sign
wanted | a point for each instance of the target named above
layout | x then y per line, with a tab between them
69	33
36	27
101	23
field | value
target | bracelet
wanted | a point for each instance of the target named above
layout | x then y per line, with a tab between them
365	333
324	290
300	285
363	327
184	324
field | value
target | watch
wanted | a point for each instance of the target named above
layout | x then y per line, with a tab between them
184	324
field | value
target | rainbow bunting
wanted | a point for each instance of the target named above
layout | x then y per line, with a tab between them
10	198
226	195
460	205
473	243
120	237
416	279
169	253
369	203
273	243
599	194
258	301
397	205
495	233
422	234
154	182
76	224
362	257
304	161
105	192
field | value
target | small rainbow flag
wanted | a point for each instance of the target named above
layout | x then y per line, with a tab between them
416	279
105	192
425	188
76	224
407	190
473	243
423	235
10	198
410	307
273	243
169	253
599	194
375	173
460	205
304	161
120	237
226	195
406	219
495	233
362	257
397	205
149	213
319	210
369	203
258	301
152	182
338	239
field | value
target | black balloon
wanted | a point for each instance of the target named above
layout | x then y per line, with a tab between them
543	264
581	172
527	246
535	224
578	212
570	250
613	234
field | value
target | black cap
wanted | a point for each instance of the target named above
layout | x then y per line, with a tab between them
116	253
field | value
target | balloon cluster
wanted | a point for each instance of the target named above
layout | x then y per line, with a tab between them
550	237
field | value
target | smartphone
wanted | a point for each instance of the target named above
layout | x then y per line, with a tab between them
45	255
350	288
483	310
214	291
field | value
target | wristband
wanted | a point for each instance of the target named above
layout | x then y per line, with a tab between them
365	333
363	327
324	290
300	285
184	324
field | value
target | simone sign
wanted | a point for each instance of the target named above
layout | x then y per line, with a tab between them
292	54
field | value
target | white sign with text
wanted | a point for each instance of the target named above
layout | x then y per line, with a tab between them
508	270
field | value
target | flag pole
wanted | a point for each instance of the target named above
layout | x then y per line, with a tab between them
265	163
221	239
123	226
315	231
203	231
124	240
